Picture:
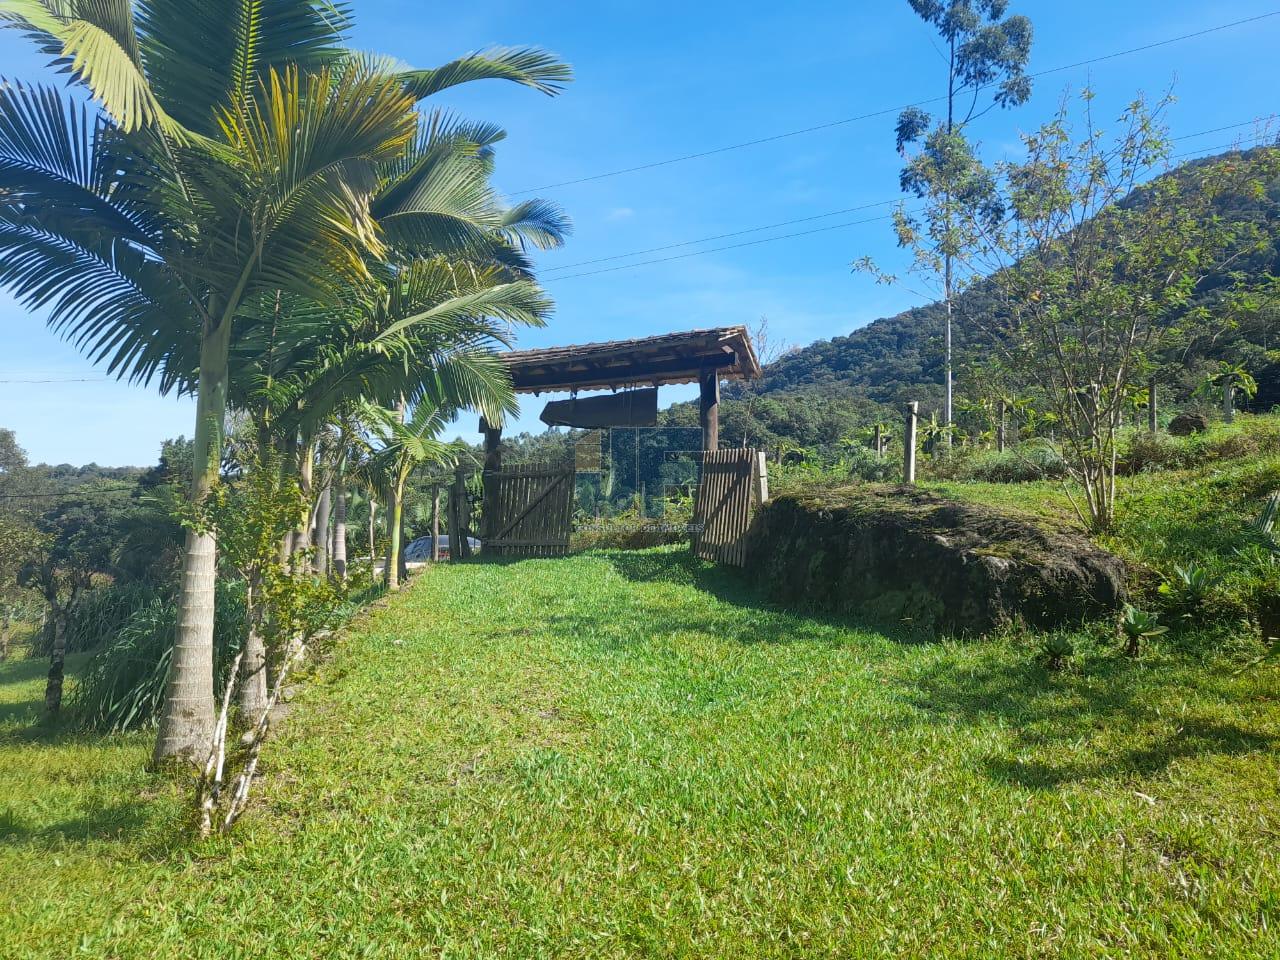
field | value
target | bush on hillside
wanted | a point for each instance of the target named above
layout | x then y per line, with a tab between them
98	615
122	687
1027	462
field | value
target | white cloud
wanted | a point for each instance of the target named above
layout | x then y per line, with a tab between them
620	213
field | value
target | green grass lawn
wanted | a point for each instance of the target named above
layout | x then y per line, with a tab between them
620	755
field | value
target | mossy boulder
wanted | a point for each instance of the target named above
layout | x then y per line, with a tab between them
901	554
1185	424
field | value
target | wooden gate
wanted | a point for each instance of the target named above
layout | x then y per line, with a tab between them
528	511
730	485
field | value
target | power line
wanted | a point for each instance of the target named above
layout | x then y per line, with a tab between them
732	246
725	236
817	216
891	110
63	380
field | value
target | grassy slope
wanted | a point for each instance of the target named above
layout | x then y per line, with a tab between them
621	755
1201	513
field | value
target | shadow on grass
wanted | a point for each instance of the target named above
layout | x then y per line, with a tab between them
732	587
1111	711
23	670
119	821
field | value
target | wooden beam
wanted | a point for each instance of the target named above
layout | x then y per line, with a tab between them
709	408
492	467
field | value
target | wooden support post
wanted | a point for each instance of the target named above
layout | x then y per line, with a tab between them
489	478
461	549
909	442
879	440
435	523
709	408
1229	398
1153	410
761	479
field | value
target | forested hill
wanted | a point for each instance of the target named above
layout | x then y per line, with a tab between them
899	358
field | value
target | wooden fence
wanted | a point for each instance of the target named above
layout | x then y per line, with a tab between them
727	492
528	511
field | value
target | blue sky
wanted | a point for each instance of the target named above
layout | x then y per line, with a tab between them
658	80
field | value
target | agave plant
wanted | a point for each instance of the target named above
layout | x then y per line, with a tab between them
1137	626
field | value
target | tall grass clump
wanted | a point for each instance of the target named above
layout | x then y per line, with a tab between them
122	687
98	615
1025	463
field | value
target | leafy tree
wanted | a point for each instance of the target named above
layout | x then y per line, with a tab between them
985	53
74	541
1082	315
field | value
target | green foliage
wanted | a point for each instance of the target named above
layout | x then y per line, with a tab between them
1057	648
635	529
1024	463
1189	589
122	685
97	615
1139	625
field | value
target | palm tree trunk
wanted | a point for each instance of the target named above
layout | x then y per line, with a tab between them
395	507
340	529
324	509
306	475
373	534
187	720
5	624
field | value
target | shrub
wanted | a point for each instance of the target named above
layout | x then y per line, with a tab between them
632	530
122	687
98	615
1025	463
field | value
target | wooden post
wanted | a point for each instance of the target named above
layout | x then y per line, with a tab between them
1000	422
1229	398
879	440
761	479
459	548
489	478
435	523
1153	420
709	408
909	443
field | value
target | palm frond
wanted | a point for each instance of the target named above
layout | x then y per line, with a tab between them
524	65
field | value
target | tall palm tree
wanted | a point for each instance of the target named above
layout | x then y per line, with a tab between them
235	153
403	443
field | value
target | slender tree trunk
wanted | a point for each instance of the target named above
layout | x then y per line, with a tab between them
252	692
5	625
373	535
395	509
435	523
187	720
57	661
340	529
306	475
324	509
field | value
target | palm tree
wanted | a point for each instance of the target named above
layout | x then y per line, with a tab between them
235	155
404	442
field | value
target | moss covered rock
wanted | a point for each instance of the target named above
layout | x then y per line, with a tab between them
902	554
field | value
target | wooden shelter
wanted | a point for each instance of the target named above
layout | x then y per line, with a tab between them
704	357
529	512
